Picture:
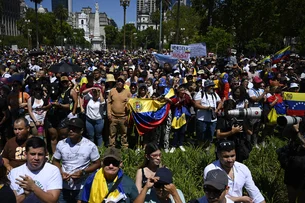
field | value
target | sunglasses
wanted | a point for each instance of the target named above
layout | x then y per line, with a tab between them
226	144
216	192
74	129
156	155
159	185
114	162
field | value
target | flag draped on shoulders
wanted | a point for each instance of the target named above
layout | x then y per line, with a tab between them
147	114
96	189
281	55
295	103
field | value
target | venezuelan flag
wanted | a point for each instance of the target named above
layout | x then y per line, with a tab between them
267	58
295	103
180	117
95	188
169	93
281	54
147	114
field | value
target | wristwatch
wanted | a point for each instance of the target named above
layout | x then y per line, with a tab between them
84	172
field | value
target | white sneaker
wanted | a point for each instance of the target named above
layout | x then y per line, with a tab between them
166	150
173	149
182	148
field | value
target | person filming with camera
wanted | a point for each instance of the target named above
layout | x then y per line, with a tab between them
229	128
292	157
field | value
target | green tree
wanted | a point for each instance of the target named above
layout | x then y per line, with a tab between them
218	40
155	18
111	33
36	19
62	15
189	24
130	30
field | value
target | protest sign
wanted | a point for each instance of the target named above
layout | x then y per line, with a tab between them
198	49
180	51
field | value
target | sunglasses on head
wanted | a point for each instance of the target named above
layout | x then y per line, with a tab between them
226	144
114	162
209	190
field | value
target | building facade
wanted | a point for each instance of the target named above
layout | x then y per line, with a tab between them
145	8
85	20
11	10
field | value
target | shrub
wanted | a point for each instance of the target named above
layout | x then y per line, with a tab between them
187	168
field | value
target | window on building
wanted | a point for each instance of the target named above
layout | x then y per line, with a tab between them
82	22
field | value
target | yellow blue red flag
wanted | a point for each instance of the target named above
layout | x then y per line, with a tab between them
147	114
281	55
180	117
295	103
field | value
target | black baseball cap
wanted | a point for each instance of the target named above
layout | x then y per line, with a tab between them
76	122
165	176
217	179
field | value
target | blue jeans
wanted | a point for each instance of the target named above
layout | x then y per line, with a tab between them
179	136
94	129
205	130
69	196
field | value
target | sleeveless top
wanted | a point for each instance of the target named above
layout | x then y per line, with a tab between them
144	179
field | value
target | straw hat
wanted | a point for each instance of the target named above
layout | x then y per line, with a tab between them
110	78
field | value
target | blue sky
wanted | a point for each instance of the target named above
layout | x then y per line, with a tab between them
111	7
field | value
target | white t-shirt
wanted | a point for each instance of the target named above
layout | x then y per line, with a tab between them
206	100
255	93
34	68
240	104
48	178
93	109
74	158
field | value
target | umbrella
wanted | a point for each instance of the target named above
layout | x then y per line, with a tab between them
37	53
65	67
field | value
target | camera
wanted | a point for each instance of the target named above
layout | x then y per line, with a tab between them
253	112
288	120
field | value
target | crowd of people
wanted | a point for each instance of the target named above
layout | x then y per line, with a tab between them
68	116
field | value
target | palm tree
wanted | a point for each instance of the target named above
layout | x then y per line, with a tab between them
36	2
62	15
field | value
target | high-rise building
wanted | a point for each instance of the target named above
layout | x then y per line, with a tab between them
9	16
149	6
182	2
144	10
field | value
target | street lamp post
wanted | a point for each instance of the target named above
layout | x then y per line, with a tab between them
124	4
36	15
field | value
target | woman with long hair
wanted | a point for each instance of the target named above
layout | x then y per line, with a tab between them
6	193
152	161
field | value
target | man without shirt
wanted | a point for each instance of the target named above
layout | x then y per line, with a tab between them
73	156
36	180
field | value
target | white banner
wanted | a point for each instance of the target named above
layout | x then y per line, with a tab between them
182	52
198	49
